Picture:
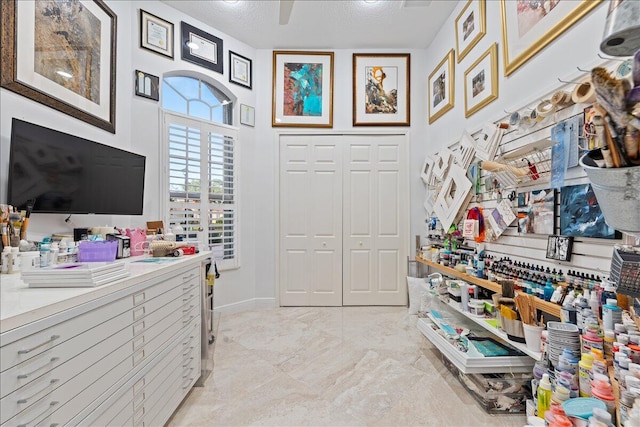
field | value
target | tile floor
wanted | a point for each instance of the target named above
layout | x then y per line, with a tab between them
344	366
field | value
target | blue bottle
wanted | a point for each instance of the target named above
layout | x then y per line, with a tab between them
548	290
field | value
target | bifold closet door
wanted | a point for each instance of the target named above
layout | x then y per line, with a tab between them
375	220
310	196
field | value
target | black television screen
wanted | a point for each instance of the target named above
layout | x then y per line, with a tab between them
67	174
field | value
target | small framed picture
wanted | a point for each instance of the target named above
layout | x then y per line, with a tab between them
470	27
481	82
201	48
147	85
441	89
247	115
156	34
559	247
240	70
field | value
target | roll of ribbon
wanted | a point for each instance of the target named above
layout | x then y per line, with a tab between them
533	115
561	99
584	93
545	109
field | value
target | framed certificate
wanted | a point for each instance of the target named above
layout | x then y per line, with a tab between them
201	48
156	34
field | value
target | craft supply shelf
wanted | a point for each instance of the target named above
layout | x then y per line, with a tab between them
545	306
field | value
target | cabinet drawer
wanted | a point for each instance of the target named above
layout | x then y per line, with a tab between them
24	349
65	381
23	373
106	416
179	281
80	391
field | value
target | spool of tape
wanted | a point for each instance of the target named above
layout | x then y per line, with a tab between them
545	108
533	115
514	119
584	93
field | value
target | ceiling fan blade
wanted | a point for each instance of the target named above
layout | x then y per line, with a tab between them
285	11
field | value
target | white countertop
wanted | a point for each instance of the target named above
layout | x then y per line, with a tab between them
20	304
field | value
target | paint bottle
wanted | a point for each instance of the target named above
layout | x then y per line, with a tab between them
603	391
584	375
15	260
5	259
544	395
548	290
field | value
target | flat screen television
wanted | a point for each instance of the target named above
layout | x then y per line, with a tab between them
67	174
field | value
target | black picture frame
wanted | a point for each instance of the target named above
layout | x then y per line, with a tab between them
147	85
151	37
559	248
240	70
209	46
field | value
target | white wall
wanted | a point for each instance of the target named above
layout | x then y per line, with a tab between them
137	124
578	46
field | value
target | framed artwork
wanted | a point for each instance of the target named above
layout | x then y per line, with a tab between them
247	115
240	70
147	85
156	34
559	248
529	26
202	48
381	89
65	61
302	89
481	82
441	92
536	212
470	27
580	214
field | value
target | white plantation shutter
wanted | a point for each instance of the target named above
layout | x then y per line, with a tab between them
202	184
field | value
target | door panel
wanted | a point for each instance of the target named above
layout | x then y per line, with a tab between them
310	221
376	218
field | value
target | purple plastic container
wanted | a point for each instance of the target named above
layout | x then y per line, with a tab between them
97	251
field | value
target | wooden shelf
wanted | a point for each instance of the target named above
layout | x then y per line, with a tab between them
542	305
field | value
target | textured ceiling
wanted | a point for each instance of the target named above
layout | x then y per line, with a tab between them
318	24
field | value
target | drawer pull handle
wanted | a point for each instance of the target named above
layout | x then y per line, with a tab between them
23	376
184	322
29	350
188	309
185	376
187	386
187	364
29	422
26	399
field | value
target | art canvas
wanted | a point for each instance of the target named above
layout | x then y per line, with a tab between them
536	212
303	88
580	214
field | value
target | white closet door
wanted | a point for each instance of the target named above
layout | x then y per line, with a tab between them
310	221
375	220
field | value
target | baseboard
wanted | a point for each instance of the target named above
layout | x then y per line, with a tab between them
249	304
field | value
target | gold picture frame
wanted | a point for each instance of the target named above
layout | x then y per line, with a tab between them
441	87
302	89
525	32
481	89
470	27
381	89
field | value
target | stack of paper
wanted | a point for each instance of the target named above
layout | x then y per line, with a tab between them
79	275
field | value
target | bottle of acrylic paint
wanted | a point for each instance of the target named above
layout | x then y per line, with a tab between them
544	395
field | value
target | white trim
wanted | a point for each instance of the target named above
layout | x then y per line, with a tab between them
249	304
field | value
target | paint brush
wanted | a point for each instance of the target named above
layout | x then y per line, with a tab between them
25	221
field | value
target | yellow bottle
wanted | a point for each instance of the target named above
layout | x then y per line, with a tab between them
544	395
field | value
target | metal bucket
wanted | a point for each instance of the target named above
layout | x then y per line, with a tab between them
618	193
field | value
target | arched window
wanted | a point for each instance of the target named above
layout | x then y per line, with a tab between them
196	98
202	164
